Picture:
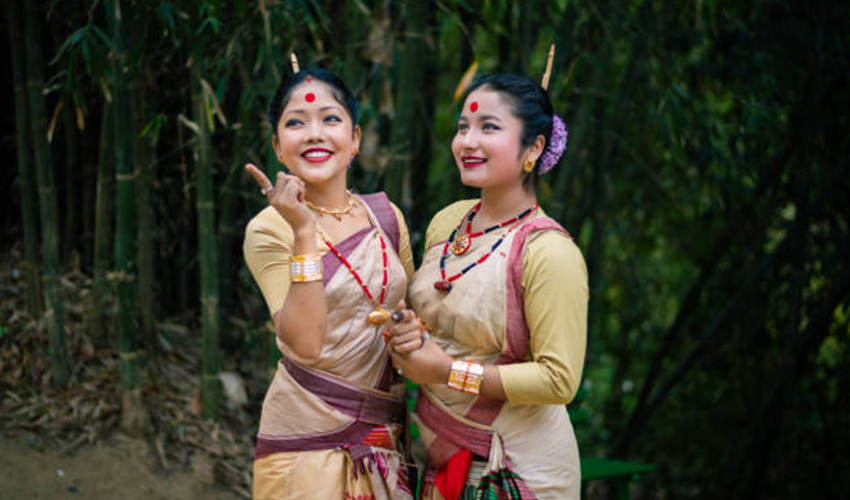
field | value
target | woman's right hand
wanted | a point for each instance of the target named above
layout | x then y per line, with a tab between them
286	195
406	332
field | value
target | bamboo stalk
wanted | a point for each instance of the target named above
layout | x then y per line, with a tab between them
125	206
184	254
104	208
47	199
207	254
72	182
143	153
405	134
29	210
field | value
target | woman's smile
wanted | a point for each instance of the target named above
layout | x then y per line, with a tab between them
317	155
469	161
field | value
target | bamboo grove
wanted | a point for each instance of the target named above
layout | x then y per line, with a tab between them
705	181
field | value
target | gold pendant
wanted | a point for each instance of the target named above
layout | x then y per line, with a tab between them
378	317
461	245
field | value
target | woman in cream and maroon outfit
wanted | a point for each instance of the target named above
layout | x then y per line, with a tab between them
330	264
503	290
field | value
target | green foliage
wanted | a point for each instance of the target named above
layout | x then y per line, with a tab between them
705	183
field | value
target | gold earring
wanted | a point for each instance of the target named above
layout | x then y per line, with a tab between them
528	165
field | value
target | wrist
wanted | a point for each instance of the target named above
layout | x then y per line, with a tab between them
442	370
305	239
305	229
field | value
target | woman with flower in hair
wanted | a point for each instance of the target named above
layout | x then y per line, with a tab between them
503	290
330	265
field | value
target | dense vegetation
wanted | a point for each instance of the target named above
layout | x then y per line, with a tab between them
706	181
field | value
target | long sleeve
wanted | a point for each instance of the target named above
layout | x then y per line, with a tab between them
555	293
267	248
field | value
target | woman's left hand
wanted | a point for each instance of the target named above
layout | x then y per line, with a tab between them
410	348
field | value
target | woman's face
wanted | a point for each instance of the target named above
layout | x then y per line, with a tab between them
315	137
487	146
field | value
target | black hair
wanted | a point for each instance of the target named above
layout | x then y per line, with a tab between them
338	89
529	103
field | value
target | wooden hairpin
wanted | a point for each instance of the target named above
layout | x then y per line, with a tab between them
548	73
294	60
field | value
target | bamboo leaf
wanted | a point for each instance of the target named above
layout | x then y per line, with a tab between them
465	81
105	88
362	7
211	94
208	112
189	124
81	119
69	42
166	13
153	127
106	39
52	127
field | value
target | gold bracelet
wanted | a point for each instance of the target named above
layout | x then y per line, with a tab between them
305	268
466	376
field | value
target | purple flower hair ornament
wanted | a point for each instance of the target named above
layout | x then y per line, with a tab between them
556	147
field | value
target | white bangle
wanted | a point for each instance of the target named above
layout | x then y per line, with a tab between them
466	376
305	268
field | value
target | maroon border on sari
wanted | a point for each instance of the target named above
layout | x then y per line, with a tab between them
383	210
346	397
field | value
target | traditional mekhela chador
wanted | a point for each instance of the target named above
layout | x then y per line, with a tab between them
476	443
345	409
508	301
333	421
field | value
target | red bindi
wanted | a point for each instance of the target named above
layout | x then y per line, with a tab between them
474	106
310	97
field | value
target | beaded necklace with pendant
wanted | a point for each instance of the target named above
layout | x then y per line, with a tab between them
464	242
379	315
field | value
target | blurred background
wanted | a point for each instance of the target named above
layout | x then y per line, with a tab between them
706	181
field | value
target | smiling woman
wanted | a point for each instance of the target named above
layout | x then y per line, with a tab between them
504	292
333	417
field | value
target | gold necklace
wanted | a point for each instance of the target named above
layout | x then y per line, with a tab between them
336	213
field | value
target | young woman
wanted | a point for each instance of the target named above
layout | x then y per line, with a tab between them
503	290
330	264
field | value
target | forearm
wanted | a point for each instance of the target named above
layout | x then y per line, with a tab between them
301	321
491	384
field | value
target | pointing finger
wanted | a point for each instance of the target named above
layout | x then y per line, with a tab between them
259	176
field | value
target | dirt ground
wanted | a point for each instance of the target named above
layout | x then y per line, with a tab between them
119	467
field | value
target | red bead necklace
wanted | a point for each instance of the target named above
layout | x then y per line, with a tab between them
379	315
464	242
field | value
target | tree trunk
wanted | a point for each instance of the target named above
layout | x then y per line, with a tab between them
47	199
207	252
29	209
